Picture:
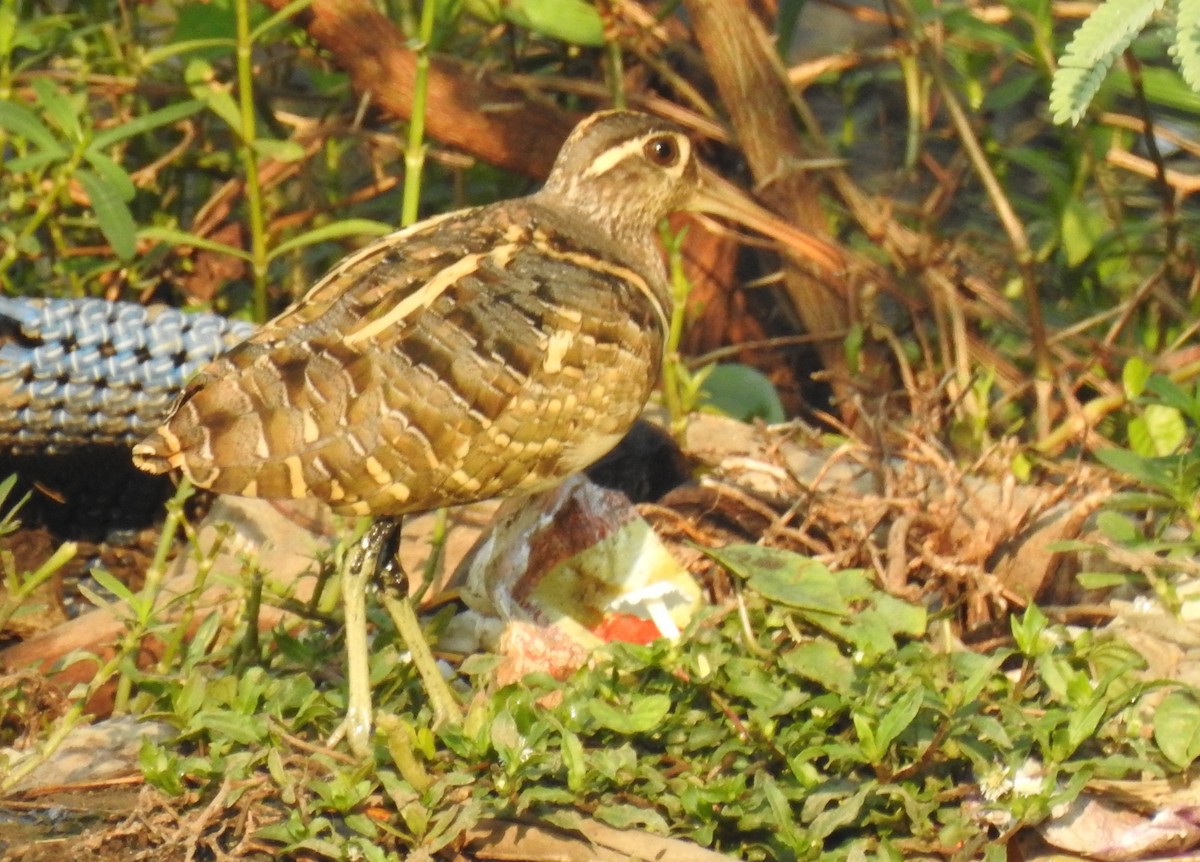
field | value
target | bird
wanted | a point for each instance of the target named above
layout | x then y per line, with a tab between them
490	351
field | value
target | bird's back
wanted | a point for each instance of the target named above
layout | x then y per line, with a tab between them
490	351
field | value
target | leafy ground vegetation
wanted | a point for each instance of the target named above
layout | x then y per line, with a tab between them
918	669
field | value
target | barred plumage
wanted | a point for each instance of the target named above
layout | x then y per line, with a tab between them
488	351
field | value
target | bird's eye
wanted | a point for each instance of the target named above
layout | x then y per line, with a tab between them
662	151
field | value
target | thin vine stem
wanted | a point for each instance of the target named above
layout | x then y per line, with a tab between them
414	153
247	133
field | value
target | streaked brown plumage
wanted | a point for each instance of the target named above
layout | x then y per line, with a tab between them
489	351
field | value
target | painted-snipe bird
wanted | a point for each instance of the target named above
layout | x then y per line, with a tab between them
490	351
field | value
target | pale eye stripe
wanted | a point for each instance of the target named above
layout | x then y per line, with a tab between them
609	159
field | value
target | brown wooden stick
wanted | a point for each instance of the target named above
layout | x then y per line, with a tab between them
501	126
751	83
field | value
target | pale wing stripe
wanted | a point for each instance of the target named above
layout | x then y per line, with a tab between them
381	246
620	272
427	294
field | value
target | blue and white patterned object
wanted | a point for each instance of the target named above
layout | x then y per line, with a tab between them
77	372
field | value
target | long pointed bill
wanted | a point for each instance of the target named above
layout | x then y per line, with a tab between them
719	197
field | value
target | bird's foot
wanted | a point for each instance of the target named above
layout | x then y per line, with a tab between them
364	561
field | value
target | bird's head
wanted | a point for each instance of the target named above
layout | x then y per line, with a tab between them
625	171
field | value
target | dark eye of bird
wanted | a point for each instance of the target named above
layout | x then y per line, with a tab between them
662	151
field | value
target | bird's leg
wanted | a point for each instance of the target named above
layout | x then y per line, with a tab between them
374	557
400	608
366	558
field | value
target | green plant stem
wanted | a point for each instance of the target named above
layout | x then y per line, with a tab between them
1090	414
128	647
673	371
437	549
174	639
414	153
8	28
18	590
1042	359
147	603
910	74
254	204
1178	269
615	66
47	204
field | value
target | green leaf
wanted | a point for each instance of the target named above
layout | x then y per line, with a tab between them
1148	471
784	577
204	85
1134	376
24	123
116	222
1163	86
1103	580
571	21
210	47
144	123
975	672
280	16
852	345
1160	430
645	714
355	227
112	173
115	586
280	151
1027	629
628	816
172	236
839	816
33	161
896	616
1186	47
897	719
1177	729
244	729
197	23
1106	33
58	107
1083	722
1081	227
742	392
822	663
574	761
1172	394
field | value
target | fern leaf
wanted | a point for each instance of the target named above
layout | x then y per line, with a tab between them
1102	38
1186	48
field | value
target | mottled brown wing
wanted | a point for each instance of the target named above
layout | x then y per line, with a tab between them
499	354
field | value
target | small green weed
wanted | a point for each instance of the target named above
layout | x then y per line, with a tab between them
817	723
